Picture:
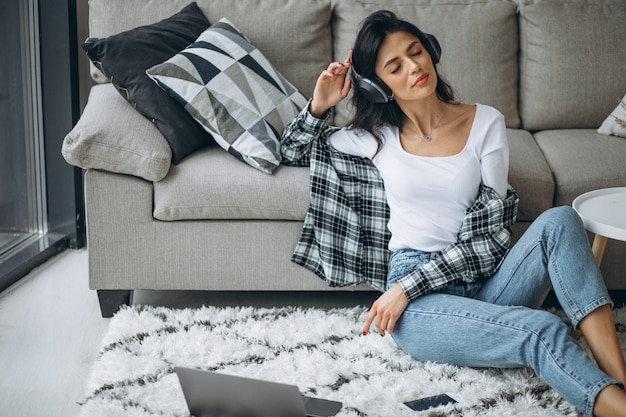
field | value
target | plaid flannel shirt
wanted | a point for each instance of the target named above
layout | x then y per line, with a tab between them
345	237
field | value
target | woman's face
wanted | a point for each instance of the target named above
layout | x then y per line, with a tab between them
404	64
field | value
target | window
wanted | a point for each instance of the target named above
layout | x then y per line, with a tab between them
40	198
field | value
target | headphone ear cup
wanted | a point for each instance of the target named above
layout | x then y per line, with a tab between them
432	46
374	91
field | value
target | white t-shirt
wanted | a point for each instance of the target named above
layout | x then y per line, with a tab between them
428	196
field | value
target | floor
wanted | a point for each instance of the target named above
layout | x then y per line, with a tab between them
51	329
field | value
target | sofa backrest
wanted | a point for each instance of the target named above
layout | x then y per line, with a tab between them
572	62
294	35
552	64
479	41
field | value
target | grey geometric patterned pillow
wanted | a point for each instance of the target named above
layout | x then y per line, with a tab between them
232	90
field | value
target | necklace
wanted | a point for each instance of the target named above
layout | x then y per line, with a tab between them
429	136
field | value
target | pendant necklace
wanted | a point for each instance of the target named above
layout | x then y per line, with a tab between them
428	137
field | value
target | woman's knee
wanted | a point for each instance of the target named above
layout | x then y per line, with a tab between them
562	215
561	223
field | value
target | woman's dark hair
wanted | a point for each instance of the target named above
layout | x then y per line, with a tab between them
371	116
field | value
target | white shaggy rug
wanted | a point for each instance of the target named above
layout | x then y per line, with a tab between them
320	351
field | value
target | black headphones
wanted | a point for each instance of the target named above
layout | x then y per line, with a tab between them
376	91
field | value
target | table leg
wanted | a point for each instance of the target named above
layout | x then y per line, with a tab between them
599	244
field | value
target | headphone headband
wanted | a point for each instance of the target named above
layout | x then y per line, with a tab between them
376	91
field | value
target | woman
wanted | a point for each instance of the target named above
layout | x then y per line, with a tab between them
454	293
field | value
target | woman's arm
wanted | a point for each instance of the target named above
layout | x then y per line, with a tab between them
332	86
298	137
494	156
484	240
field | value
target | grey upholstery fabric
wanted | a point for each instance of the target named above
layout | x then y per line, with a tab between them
111	135
530	175
481	65
571	62
210	185
294	35
134	251
582	160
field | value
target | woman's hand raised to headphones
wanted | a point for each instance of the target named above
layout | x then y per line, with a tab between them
332	86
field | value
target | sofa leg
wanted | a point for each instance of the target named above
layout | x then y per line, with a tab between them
112	300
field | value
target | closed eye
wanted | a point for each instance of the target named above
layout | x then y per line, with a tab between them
416	53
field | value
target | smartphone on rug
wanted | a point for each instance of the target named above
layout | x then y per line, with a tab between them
425	403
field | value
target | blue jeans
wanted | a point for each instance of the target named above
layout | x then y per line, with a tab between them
496	323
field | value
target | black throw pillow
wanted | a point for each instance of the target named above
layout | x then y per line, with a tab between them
125	57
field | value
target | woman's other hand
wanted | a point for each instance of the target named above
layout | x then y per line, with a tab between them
332	86
387	309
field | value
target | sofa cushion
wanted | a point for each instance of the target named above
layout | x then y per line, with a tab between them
572	59
615	124
124	58
582	160
210	185
234	92
530	175
102	139
481	65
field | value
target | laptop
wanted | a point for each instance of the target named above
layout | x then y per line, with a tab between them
212	394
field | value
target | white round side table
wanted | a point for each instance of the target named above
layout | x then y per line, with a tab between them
604	213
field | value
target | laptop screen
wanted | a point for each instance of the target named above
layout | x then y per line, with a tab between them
211	394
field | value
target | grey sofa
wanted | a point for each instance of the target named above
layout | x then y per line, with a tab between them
555	68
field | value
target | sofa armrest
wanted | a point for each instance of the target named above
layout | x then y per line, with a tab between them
118	211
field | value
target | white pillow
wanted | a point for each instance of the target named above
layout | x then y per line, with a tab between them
615	124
